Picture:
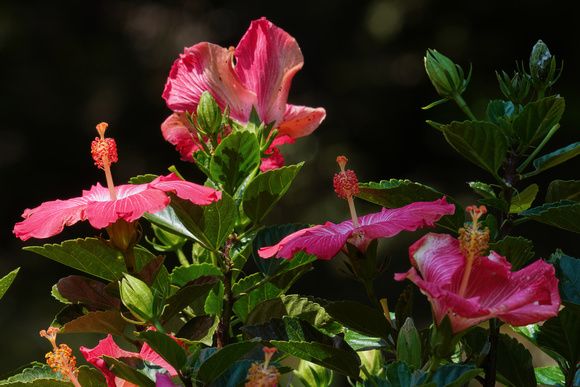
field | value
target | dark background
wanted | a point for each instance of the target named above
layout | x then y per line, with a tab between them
65	66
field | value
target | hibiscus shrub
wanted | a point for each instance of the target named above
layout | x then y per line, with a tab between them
210	321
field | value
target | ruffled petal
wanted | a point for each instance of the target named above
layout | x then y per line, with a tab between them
49	218
300	121
195	193
132	202
178	131
267	58
208	67
324	241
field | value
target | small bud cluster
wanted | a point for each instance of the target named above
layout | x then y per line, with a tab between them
262	375
474	240
60	359
345	182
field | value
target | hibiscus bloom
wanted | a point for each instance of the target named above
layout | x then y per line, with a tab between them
266	60
96	205
325	241
518	298
108	347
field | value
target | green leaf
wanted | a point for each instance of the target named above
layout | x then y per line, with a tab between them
222	359
360	342
537	118
6	281
127	373
182	275
168	220
78	289
514	362
455	375
91	377
563	190
557	157
90	255
248	303
186	296
517	250
396	193
293	306
399	374
568	274
214	302
166	347
550	376
199	329
235	158
561	336
361	318
264	191
524	199
482	143
498	203
564	214
485	190
35	374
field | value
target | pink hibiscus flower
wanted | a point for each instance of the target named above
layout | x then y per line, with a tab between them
325	241
108	347
266	60
518	298
96	206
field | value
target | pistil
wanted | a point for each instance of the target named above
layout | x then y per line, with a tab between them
346	186
104	152
473	242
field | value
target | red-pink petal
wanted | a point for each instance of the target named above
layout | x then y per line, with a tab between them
132	202
106	347
266	60
299	121
208	67
151	356
195	193
178	131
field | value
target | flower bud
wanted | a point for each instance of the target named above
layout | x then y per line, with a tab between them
209	115
515	89
372	360
311	374
137	297
409	344
540	60
446	76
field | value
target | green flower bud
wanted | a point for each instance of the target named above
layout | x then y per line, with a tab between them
540	60
372	360
313	375
446	76
137	297
209	115
515	89
409	344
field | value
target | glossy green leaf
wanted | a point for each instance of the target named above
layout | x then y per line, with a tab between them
247	303
199	329
517	250
264	191
564	214
90	255
557	157
166	347
550	376
561	335
182	275
235	158
128	373
186	296
514	362
396	193
219	219
568	274
360	318
360	342
485	190
455	375
480	142
6	281
222	359
91	377
168	220
293	306
34	374
523	200
537	118
563	190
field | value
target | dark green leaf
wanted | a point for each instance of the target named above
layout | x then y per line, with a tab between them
563	190
485	190
517	250
186	296
564	214
91	377
399	374
396	193
166	347
182	275
199	329
498	203
568	274
482	143
537	118
264	191
557	157
6	281
222	359
247	303
128	373
214	302
361	318
561	336
108	321
514	362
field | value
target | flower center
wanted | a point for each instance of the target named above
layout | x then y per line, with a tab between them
346	186
104	152
473	243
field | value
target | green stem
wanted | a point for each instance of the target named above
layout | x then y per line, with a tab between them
491	364
435	361
371	293
182	258
368	375
463	106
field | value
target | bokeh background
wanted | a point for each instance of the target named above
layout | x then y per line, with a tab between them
67	65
